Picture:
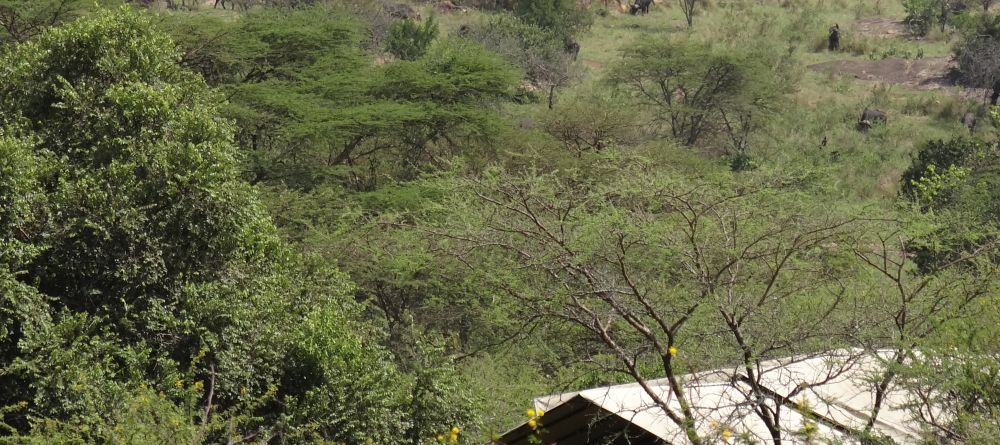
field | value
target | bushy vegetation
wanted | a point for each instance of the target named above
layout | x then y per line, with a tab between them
180	294
409	40
696	93
321	222
922	15
559	16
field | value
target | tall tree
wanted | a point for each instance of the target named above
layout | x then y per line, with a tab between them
665	275
142	285
697	92
311	108
23	19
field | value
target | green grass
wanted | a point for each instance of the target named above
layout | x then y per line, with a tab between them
859	167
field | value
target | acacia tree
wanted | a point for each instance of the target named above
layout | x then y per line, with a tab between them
979	64
957	388
669	276
687	6
913	306
23	19
536	50
592	123
978	54
310	108
697	92
942	268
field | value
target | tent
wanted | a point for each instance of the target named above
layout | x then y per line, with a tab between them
828	395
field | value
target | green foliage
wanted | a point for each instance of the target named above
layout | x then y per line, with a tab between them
957	180
310	108
560	16
976	54
339	384
139	418
130	139
408	40
972	187
439	402
929	188
211	46
622	246
922	15
698	92
741	161
403	276
962	389
146	295
80	373
24	19
592	123
940	155
133	256
538	51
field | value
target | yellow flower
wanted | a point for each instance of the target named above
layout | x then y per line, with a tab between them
440	438
530	413
672	350
453	438
802	403
541	413
199	385
726	433
454	430
809	428
533	423
179	384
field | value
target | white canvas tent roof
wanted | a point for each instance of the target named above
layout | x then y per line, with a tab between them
837	395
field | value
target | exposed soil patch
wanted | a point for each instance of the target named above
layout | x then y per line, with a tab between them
922	74
888	183
881	27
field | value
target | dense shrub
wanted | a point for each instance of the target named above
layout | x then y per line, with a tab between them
922	15
409	40
144	293
559	16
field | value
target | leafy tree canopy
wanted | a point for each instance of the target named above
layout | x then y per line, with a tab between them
135	265
312	107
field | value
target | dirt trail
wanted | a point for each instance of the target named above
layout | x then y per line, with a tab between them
880	27
921	74
924	74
